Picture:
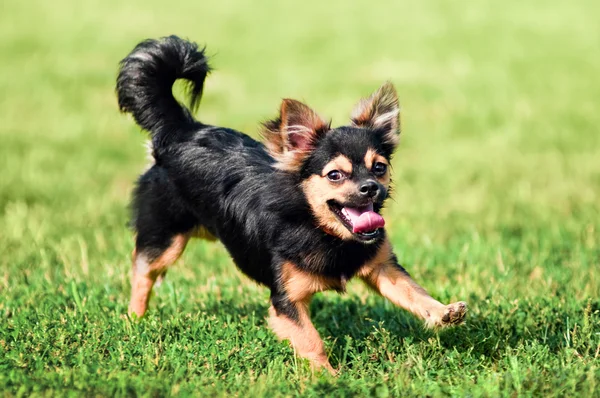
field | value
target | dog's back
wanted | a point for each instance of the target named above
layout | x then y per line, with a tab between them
205	180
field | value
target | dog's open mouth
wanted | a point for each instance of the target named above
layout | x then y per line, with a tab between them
363	222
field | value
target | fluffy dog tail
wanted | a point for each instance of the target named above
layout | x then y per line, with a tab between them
145	83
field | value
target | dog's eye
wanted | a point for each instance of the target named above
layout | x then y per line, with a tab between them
335	175
379	169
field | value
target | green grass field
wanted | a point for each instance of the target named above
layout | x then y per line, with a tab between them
497	197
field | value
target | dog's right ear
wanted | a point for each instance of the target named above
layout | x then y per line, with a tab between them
294	134
380	111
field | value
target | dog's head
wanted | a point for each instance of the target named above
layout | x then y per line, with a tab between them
344	171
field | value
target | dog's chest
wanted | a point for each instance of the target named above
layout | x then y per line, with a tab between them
339	263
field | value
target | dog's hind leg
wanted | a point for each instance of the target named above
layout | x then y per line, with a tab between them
163	227
148	266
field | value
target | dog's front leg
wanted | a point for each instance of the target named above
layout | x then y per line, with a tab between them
291	321
387	277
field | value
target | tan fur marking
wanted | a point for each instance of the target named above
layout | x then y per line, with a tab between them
303	336
383	256
372	157
318	190
145	273
300	285
141	286
340	163
385	277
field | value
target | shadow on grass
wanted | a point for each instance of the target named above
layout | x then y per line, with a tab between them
493	328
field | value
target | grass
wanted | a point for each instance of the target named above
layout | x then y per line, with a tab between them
497	199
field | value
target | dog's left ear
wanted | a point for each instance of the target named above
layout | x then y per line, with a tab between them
381	111
294	134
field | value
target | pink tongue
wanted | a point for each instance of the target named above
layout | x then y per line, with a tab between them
363	219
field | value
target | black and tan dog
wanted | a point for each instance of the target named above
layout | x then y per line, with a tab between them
299	214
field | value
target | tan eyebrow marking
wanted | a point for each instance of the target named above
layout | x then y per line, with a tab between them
340	163
372	156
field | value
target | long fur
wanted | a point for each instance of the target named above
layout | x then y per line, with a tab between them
145	81
278	211
225	183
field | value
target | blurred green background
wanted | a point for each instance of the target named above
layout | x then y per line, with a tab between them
497	183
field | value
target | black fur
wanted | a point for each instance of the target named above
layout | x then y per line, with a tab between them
225	181
145	82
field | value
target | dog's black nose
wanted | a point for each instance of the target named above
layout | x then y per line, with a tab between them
369	189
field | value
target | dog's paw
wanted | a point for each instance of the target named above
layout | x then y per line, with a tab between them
450	315
455	313
326	367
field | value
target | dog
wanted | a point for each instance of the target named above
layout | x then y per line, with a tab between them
299	214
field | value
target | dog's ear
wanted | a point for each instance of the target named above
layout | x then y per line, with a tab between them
294	134
380	111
